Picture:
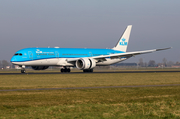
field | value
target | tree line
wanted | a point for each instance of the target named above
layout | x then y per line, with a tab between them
4	64
152	63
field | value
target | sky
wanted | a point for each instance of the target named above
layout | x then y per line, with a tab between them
91	24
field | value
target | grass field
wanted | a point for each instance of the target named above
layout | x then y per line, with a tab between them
146	102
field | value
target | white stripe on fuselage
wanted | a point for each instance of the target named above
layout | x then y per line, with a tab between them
62	62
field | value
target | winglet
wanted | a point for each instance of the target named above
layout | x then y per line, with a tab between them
123	41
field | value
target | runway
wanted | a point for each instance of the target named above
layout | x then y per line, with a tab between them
75	88
100	72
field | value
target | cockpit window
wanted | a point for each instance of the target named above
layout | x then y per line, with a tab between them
20	54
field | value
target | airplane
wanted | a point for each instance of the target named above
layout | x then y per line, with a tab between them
85	59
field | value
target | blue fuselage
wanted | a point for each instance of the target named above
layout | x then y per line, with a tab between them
32	54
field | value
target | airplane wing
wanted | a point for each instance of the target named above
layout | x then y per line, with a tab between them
119	55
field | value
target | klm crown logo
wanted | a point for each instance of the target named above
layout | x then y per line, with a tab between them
38	51
122	42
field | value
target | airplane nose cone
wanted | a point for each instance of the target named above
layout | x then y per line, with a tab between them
13	59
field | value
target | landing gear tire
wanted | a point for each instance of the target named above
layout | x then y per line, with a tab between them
68	70
62	70
65	70
23	71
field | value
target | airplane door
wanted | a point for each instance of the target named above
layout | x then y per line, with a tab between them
90	54
57	54
30	55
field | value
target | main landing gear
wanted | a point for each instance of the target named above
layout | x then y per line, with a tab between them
65	69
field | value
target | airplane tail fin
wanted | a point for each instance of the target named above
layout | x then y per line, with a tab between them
123	41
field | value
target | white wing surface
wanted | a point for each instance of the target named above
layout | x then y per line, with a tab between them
129	54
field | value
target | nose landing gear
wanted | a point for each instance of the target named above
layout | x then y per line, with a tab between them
23	69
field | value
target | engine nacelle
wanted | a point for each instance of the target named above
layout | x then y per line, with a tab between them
85	63
40	67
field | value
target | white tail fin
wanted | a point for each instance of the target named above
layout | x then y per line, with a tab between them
123	41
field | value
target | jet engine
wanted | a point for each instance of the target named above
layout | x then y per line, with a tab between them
40	67
85	63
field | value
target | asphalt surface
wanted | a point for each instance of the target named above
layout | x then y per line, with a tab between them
136	86
35	73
